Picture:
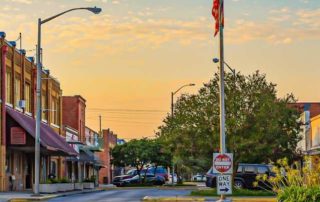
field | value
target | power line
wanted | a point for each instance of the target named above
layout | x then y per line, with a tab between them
125	110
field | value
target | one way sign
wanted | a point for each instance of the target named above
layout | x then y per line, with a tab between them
224	184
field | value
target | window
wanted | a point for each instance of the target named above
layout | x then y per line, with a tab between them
249	169
17	90
53	168
262	170
8	87
28	97
44	107
239	170
54	111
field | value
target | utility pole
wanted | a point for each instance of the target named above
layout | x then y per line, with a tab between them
20	37
100	132
172	94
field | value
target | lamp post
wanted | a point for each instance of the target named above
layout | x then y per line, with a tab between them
216	60
172	109
94	10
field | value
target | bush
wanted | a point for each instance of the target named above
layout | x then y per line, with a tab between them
64	180
299	194
293	183
51	181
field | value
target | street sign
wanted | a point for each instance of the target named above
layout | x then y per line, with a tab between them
222	163
224	184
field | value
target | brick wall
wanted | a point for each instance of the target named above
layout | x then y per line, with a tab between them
73	113
109	140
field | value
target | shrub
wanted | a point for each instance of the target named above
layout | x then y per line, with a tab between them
64	180
293	183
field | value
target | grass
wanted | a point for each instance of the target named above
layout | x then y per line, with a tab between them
235	192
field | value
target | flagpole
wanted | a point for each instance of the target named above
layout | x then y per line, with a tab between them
222	104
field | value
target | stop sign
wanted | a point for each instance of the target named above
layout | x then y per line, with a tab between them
222	163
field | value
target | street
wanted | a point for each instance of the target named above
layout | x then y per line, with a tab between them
123	195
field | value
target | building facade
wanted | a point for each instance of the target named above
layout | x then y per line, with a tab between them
18	105
108	172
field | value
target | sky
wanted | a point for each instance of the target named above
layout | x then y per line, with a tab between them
127	60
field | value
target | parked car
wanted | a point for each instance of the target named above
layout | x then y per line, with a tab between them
245	176
159	171
198	178
117	180
150	179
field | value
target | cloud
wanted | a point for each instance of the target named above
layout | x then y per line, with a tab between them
21	1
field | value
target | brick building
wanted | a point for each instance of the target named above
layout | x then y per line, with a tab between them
18	105
82	138
109	141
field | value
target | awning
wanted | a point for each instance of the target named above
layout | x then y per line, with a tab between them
48	137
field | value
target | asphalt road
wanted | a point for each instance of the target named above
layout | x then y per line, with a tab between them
127	195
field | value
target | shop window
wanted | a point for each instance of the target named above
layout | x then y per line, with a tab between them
53	168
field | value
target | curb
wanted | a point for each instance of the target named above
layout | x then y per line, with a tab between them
44	198
148	198
233	199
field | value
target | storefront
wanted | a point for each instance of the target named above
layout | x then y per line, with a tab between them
20	133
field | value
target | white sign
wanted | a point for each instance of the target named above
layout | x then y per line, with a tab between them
222	163
224	184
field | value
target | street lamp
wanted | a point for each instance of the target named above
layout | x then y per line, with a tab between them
172	95
216	60
94	10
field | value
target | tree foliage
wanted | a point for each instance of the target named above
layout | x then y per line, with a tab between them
259	126
140	153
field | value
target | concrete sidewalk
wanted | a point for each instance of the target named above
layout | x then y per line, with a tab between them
27	196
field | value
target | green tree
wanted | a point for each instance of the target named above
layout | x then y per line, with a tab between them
259	126
140	154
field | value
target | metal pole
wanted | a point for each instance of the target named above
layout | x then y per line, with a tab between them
20	36
172	177
38	116
222	107
100	125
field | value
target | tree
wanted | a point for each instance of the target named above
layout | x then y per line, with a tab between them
259	126
139	154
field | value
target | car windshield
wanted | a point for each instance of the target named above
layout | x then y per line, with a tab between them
131	172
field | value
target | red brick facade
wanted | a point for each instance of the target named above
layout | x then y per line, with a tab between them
109	141
73	114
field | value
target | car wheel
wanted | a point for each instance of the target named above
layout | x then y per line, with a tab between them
238	184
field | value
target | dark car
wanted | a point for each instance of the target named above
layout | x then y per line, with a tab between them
159	171
245	176
118	179
150	179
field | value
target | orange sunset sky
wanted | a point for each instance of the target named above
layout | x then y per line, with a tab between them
126	60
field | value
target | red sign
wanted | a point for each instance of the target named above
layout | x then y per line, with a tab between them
222	163
17	136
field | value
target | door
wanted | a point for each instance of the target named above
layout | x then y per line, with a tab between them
249	175
28	172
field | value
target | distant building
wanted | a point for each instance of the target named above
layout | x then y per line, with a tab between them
109	141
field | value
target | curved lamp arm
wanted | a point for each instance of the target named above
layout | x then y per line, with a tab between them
190	84
95	10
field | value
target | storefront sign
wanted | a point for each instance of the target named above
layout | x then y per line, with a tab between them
17	136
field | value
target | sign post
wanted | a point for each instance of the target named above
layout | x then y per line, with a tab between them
223	166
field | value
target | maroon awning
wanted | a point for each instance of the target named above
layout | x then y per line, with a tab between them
48	137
